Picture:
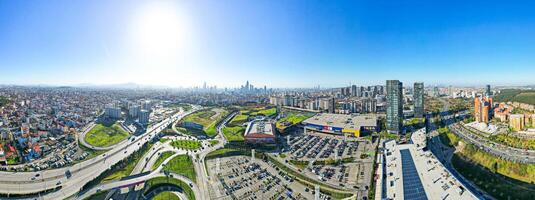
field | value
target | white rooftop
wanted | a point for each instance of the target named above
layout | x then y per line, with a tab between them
343	120
436	180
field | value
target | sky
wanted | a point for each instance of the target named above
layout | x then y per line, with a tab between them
278	43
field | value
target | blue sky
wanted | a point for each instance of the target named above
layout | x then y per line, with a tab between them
274	43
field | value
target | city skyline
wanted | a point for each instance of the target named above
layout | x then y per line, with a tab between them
183	44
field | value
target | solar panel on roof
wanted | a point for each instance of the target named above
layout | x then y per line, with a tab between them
412	185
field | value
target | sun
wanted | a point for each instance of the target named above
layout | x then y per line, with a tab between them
161	30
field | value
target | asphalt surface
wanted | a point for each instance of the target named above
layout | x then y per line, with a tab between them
500	150
81	173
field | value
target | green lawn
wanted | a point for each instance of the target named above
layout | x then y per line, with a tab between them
292	118
186	144
214	142
166	196
162	158
103	136
163	140
127	170
265	112
239	119
225	152
301	164
154	182
496	185
234	133
183	165
208	119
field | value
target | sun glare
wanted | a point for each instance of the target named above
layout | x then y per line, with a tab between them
161	31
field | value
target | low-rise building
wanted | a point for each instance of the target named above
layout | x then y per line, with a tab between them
340	124
260	131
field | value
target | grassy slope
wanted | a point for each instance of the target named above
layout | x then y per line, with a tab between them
498	186
162	158
207	118
101	135
166	196
183	165
234	133
292	118
165	180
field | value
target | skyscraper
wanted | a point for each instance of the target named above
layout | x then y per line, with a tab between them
418	99
482	109
354	90
394	110
487	91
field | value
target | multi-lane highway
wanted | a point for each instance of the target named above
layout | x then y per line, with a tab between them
147	166
500	150
69	180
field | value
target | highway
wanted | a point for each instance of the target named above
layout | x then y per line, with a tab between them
505	152
156	173
203	180
444	155
81	173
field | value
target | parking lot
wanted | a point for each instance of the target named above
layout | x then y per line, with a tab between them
240	178
343	162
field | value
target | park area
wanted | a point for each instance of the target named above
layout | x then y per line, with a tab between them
234	133
183	165
186	144
291	118
208	119
104	135
166	196
236	127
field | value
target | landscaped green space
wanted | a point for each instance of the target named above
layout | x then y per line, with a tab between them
291	119
301	164
436	105
98	196
234	133
208	119
518	171
126	167
447	137
163	140
122	172
162	158
239	119
496	185
225	152
186	144
522	143
246	112
105	135
183	165
166	196
213	142
515	95
265	112
161	181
